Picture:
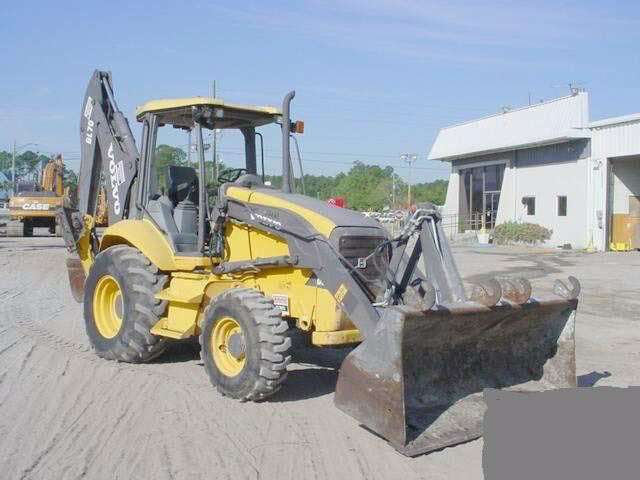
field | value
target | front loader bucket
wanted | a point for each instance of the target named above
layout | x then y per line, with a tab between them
418	380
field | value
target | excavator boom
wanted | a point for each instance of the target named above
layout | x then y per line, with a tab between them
53	176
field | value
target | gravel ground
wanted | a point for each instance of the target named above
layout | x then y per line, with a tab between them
68	414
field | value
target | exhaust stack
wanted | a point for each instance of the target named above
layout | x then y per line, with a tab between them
287	177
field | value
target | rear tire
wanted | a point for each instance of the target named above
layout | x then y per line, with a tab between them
265	345
118	324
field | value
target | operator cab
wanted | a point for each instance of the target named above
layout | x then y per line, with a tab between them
176	191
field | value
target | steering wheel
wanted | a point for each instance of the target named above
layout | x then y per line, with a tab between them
230	175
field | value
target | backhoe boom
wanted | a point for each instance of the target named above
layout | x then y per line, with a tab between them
107	149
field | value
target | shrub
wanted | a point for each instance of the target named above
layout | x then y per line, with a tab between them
514	232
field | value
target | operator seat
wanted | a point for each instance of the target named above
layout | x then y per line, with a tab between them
177	212
183	184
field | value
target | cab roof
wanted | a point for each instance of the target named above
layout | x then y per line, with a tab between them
179	112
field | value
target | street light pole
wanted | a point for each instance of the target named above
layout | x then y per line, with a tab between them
409	158
13	170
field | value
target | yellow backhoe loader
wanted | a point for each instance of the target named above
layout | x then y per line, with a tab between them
35	205
241	265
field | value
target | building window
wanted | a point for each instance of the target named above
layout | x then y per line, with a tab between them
530	205
562	206
482	186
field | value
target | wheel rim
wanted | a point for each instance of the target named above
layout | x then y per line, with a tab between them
107	306
227	346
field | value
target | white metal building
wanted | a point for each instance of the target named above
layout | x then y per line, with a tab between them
615	181
546	164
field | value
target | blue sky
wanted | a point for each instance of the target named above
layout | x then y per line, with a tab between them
374	78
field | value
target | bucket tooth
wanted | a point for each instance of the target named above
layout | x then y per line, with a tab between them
568	292
516	290
487	292
421	295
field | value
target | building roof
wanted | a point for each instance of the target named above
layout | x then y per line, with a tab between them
555	121
634	117
177	111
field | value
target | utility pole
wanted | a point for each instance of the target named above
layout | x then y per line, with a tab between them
13	170
393	191
409	158
215	142
189	149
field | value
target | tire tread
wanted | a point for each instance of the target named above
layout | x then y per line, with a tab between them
137	344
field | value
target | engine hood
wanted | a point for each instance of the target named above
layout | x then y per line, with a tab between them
340	217
323	217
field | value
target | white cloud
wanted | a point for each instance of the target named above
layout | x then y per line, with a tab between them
501	32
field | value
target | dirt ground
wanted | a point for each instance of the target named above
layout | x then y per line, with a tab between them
67	414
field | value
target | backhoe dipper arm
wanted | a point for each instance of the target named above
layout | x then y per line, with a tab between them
107	149
107	146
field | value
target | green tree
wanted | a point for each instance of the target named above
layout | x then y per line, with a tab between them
320	186
70	180
29	166
5	161
166	155
366	187
434	192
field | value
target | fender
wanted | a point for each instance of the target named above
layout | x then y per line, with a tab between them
144	236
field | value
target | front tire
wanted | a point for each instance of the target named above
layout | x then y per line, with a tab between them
245	347
120	307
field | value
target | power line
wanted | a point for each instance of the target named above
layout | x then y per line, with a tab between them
339	162
272	153
370	99
275	153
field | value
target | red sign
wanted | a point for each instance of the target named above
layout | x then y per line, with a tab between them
337	202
